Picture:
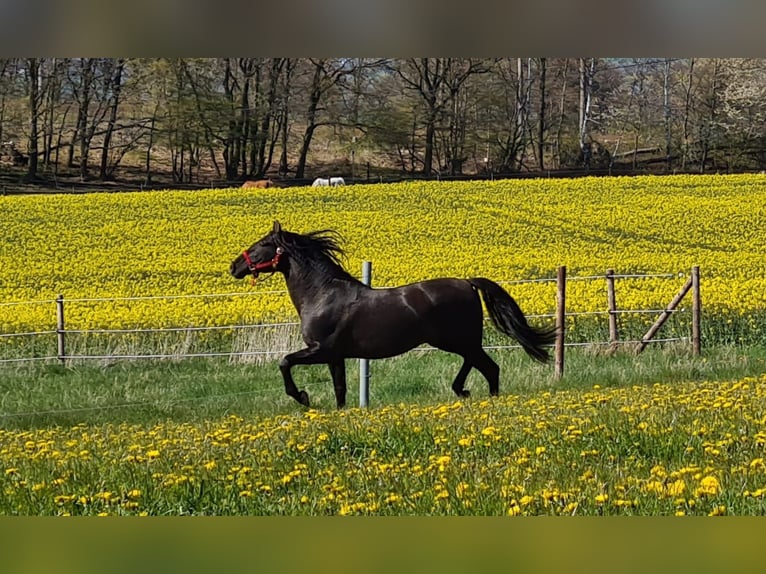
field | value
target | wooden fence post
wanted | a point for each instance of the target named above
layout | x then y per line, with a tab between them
696	311
561	284
614	336
61	343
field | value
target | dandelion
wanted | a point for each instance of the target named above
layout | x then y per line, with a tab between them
676	488
571	508
709	486
719	510
392	498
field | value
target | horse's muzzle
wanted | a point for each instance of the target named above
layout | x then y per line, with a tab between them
233	269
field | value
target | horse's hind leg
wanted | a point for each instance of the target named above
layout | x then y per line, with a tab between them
338	372
487	367
459	382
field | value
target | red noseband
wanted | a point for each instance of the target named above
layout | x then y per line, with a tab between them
256	268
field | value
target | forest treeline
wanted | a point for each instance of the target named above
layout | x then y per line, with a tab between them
227	119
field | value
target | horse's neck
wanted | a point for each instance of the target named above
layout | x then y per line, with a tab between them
306	285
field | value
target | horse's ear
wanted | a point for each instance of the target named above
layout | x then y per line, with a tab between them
277	227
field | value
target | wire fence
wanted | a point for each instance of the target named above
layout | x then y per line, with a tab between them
54	344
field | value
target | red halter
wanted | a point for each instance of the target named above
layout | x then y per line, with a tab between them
256	268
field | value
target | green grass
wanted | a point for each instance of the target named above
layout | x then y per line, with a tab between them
146	391
659	433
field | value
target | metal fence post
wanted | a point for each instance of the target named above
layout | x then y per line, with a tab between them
61	344
614	336
364	364
561	291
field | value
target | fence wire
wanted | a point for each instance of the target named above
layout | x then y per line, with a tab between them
260	353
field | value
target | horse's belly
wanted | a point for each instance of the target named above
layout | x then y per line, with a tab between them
384	334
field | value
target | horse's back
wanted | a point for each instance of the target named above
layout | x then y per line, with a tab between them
258	183
445	313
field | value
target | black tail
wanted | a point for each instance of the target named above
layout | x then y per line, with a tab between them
509	319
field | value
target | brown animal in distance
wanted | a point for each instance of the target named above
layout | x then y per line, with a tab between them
261	183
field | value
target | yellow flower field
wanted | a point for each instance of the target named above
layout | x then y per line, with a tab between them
663	449
154	244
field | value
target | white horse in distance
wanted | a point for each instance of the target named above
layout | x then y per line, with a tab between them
324	182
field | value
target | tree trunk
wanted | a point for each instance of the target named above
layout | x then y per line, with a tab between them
84	92
666	115
541	118
584	112
562	110
687	111
284	124
116	86
713	111
308	134
34	111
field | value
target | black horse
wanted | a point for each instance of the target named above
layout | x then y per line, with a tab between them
341	317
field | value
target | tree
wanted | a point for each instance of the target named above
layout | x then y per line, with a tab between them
438	82
325	75
743	111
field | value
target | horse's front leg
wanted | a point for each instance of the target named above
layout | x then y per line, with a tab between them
311	355
338	372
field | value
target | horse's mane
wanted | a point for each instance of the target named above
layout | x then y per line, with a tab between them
321	249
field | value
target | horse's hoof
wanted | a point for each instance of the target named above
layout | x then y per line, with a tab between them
303	398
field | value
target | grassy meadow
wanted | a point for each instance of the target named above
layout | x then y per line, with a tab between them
660	433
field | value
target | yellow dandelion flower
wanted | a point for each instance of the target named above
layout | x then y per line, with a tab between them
571	508
709	486
392	498
719	510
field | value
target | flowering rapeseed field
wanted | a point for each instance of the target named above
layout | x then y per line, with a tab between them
181	243
684	449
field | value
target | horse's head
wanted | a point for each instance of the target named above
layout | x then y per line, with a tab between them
263	256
